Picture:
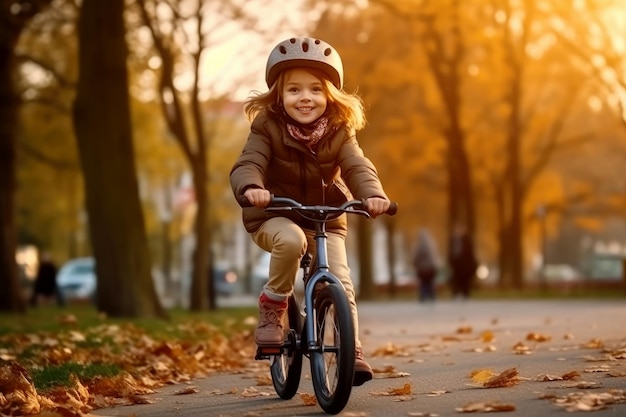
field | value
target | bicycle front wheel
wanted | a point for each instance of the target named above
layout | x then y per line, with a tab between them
332	364
286	367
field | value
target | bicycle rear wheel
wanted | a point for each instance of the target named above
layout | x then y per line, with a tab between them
286	367
332	367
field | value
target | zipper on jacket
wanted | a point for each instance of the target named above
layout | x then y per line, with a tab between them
302	174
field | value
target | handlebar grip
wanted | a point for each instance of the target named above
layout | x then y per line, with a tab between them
244	202
393	209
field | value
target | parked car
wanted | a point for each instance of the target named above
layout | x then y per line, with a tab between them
224	280
605	267
556	273
76	280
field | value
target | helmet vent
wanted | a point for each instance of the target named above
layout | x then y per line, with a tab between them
327	51
305	47
282	50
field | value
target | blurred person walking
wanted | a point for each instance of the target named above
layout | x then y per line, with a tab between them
427	264
462	263
46	281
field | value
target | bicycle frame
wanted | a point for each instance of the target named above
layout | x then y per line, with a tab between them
320	272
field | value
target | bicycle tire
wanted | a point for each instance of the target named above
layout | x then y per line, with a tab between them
332	368
286	367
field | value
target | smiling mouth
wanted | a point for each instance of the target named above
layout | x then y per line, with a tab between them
305	109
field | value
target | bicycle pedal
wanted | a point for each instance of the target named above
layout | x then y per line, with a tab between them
264	352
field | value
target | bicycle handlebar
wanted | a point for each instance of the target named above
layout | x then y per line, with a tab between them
289	203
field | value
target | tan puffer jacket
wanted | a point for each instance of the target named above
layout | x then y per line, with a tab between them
271	159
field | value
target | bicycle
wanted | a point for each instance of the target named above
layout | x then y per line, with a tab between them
326	336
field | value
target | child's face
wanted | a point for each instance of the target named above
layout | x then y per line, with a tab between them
303	96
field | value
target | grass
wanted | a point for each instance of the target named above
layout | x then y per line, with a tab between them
50	319
59	375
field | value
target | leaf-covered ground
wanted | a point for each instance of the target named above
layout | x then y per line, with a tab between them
71	371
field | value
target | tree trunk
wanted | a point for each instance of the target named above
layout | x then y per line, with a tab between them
103	129
511	239
201	296
10	297
13	19
390	230
447	69
366	271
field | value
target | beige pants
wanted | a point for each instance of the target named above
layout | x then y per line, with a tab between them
288	242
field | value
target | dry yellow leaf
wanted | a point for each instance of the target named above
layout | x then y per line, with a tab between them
481	376
464	330
487	336
308	399
537	337
404	390
507	378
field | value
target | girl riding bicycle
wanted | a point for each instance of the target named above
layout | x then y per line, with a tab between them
302	145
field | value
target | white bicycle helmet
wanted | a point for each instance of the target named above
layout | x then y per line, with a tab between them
304	52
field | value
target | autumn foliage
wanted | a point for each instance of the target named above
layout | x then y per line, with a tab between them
144	363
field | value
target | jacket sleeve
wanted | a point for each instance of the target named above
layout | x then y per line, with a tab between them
249	169
358	171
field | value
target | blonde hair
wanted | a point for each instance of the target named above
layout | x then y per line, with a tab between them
342	108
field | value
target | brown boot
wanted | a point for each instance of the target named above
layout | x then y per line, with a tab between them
271	329
362	370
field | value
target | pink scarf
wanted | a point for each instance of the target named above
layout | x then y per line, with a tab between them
309	137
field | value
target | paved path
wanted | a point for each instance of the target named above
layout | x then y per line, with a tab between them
435	348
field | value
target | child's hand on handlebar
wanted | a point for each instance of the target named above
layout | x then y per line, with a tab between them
258	197
376	206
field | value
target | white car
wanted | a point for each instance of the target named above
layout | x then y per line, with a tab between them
76	280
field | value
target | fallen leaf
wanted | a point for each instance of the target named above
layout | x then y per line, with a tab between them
404	390
464	330
489	348
308	399
482	375
485	407
571	375
521	349
390	349
437	393
593	344
187	390
547	377
583	385
587	401
601	368
537	337
487	336
507	378
253	392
